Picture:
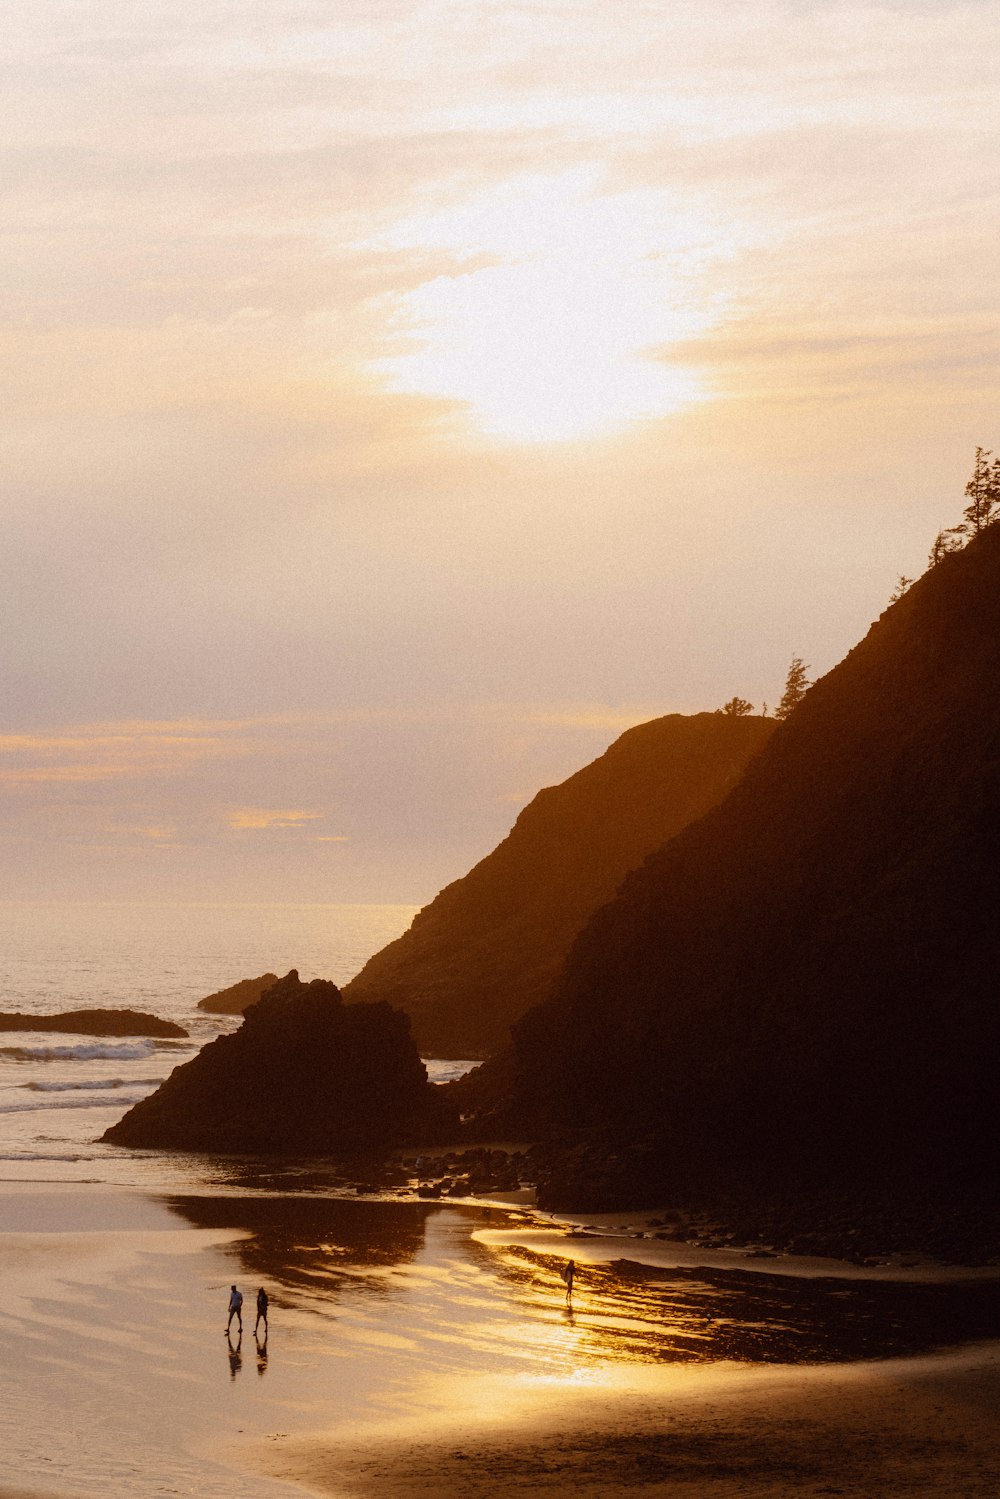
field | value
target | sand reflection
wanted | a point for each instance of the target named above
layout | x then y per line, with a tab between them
313	1248
638	1313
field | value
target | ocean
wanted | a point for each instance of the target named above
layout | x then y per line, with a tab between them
60	1092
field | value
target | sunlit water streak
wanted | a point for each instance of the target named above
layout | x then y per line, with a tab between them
380	1312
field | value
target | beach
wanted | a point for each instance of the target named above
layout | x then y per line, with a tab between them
428	1349
910	1427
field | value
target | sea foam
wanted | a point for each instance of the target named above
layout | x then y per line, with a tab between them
87	1052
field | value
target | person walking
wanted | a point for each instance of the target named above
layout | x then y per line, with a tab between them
261	1312
569	1270
235	1309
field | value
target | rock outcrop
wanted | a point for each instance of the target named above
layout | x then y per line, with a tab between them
305	1074
488	946
93	1023
238	997
803	985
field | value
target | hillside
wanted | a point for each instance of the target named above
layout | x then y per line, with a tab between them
487	947
803	985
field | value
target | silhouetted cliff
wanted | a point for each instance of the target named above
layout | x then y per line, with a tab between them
488	946
806	980
305	1073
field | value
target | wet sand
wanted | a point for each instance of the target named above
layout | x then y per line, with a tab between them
418	1349
877	1431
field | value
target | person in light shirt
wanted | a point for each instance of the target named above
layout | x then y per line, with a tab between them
235	1309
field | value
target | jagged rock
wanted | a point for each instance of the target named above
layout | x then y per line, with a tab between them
488	946
238	997
304	1074
94	1023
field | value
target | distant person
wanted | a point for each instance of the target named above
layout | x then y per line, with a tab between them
235	1309
569	1270
261	1312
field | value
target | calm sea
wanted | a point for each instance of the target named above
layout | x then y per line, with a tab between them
58	1093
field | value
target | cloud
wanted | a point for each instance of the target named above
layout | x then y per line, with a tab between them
259	818
265	277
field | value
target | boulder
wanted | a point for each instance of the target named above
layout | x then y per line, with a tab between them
93	1023
238	997
305	1074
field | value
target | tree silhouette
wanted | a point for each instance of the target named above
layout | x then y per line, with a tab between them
797	684
903	584
983	492
737	707
945	542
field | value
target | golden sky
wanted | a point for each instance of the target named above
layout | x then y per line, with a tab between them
400	399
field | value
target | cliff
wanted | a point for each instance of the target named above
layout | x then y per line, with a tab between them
488	946
305	1074
804	982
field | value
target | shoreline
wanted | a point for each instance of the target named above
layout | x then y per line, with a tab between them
440	1357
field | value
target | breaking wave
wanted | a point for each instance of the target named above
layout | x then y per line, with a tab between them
129	1052
103	1085
71	1103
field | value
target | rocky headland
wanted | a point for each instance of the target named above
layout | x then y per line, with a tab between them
489	945
800	989
93	1023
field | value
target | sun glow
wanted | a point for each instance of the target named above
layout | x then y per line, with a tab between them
560	334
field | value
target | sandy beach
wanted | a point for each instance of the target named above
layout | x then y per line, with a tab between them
909	1427
421	1349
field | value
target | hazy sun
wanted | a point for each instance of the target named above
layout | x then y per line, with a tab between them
553	337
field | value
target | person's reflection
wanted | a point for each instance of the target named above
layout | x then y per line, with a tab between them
261	1354
235	1356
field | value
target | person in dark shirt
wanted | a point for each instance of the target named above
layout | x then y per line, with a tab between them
261	1311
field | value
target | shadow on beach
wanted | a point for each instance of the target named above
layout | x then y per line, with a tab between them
318	1246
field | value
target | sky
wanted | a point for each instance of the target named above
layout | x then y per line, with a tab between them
400	399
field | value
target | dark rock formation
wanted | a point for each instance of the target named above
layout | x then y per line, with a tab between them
93	1023
238	997
304	1074
487	948
804	984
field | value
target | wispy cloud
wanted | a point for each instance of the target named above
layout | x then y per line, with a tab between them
262	818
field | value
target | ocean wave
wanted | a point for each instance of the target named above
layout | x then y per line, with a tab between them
101	1084
71	1103
37	1155
84	1053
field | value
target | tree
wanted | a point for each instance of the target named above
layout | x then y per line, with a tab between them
945	542
903	585
737	707
797	684
983	493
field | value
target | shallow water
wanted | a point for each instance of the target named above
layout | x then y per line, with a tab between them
117	1378
59	1092
381	1312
